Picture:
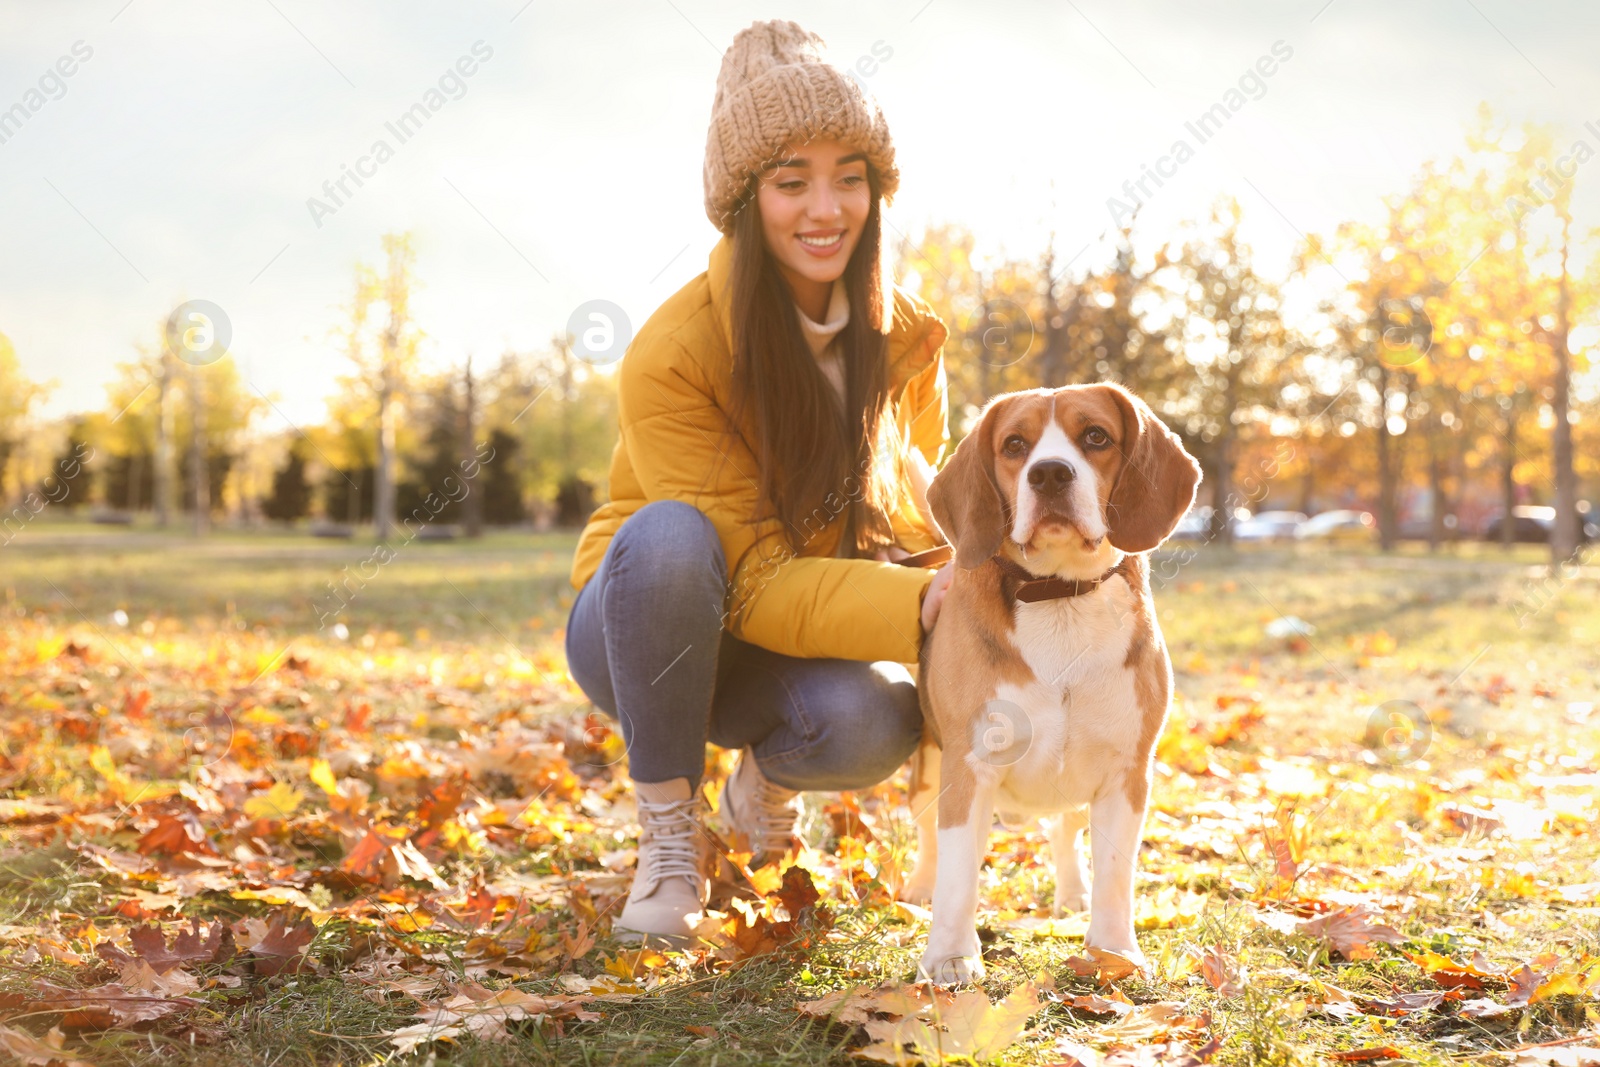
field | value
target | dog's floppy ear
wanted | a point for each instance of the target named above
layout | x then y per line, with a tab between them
965	497
1156	484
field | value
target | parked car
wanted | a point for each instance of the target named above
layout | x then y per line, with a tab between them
1338	526
1421	529
1194	526
1269	526
1530	525
1533	523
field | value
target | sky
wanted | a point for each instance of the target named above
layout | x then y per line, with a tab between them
178	159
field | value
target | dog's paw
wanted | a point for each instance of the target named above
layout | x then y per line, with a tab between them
946	970
1070	901
1126	946
917	891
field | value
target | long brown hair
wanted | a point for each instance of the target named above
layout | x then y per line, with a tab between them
819	461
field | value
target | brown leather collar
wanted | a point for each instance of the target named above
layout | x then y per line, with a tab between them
1034	588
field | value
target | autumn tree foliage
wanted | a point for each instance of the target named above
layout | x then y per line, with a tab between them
1429	363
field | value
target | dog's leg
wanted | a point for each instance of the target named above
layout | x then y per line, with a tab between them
966	811
1065	831
924	802
1116	822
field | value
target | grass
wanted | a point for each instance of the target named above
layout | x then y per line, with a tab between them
452	641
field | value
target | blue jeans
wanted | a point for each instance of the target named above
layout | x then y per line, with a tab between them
645	642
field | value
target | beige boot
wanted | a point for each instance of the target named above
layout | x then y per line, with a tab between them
760	812
669	886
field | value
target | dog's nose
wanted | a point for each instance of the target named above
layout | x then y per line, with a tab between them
1050	476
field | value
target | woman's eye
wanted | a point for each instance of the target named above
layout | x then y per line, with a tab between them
855	179
1096	438
791	186
1014	444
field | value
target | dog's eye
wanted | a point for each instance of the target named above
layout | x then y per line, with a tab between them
1014	445
1096	438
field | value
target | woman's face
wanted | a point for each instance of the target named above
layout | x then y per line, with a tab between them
814	202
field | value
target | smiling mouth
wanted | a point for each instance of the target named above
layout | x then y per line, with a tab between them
821	244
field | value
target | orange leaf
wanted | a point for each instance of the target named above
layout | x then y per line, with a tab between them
1357	1055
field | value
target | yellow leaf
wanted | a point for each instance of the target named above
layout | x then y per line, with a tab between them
322	777
278	803
106	766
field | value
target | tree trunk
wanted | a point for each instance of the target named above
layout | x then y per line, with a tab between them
1564	536
1436	501
472	506
1222	518
1387	474
1508	480
383	488
1222	496
163	457
200	489
567	462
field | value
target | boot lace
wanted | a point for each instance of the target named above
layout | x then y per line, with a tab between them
773	817
670	840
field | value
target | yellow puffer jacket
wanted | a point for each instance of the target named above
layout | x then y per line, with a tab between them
673	388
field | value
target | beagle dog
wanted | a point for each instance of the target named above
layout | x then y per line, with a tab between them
1046	682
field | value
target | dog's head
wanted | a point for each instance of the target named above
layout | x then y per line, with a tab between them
1063	469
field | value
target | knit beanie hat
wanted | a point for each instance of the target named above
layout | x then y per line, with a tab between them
776	85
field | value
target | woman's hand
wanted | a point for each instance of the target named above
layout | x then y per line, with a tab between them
934	598
891	554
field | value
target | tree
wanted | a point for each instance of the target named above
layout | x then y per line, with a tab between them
501	491
1227	317
18	396
472	506
68	482
385	359
210	408
563	412
434	489
291	492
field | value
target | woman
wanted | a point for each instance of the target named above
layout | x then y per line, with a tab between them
780	417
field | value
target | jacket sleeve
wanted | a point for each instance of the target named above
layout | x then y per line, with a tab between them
808	606
927	413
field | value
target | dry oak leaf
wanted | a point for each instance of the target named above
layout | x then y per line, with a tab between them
105	1006
1150	1022
1408	1003
1331	1000
177	834
1448	972
277	944
198	944
484	1013
803	923
1484	1008
29	1050
139	977
122	864
1350	931
1223	972
856	1005
385	855
1530	986
1115	1004
1169	1054
967	1026
1107	966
